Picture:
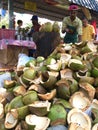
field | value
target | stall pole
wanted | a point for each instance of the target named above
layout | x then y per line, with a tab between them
10	13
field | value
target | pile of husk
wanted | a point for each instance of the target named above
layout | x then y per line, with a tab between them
57	93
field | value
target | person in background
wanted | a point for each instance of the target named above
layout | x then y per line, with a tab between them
72	26
35	28
35	25
88	31
19	27
3	27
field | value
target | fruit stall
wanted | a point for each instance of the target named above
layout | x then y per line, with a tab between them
53	93
11	47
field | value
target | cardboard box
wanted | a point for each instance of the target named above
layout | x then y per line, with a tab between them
9	56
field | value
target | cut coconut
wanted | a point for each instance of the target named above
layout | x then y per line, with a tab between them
40	123
1	111
95	103
38	88
48	96
57	115
76	116
78	100
48	81
40	108
19	90
55	67
74	126
90	90
10	121
95	127
75	64
66	73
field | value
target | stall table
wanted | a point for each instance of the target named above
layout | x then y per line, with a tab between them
10	49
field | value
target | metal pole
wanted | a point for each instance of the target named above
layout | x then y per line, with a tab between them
10	13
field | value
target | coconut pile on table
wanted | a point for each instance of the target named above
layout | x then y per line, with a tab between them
57	93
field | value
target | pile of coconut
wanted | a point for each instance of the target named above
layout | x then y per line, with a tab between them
57	93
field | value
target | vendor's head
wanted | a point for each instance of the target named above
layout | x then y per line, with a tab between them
34	19
73	11
85	22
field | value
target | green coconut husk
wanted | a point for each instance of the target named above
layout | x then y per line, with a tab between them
9	83
57	115
29	97
94	72
66	87
40	108
22	112
75	65
16	103
95	61
48	81
29	73
64	103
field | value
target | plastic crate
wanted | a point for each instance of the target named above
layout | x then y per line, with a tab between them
7	34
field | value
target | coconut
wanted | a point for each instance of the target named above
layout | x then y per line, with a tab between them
48	27
19	90
64	58
37	122
57	115
90	47
55	67
29	73
90	90
94	103
48	96
38	88
78	117
22	112
80	101
50	61
40	108
66	87
95	115
9	83
75	64
10	120
94	72
48	81
1	111
81	44
31	63
55	27
29	97
18	127
95	61
95	127
64	103
74	126
16	102
66	73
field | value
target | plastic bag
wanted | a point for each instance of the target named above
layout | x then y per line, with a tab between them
22	60
5	76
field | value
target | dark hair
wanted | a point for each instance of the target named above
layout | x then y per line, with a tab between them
3	26
19	21
34	17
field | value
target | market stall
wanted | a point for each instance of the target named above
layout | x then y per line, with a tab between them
10	48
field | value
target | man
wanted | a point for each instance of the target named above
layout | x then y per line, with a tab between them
72	26
35	28
88	31
35	25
